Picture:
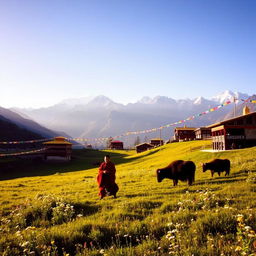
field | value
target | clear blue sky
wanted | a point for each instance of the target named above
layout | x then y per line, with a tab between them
125	49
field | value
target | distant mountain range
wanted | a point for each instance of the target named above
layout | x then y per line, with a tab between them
102	117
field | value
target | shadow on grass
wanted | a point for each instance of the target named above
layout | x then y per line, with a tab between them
86	208
82	159
237	177
241	173
135	195
119	160
219	180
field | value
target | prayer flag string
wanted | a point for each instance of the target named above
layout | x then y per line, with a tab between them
102	139
22	153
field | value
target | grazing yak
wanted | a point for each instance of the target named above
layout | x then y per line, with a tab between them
178	170
217	165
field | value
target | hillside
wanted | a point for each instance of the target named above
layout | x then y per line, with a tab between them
24	122
11	132
60	214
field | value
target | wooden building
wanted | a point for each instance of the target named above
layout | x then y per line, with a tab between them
116	144
184	133
156	142
143	147
58	149
237	132
203	133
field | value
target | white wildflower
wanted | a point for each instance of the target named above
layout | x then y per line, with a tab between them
247	228
25	244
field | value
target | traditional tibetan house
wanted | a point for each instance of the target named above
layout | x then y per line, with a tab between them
116	144
237	132
203	133
143	147
156	142
58	149
184	133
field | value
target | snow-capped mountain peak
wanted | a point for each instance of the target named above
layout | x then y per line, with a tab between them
199	100
156	100
229	95
102	100
76	101
162	100
226	95
145	100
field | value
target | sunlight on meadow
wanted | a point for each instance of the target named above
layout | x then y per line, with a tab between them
60	213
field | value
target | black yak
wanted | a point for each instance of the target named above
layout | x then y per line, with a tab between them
217	165
178	170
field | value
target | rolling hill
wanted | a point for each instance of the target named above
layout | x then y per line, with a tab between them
56	210
18	127
11	132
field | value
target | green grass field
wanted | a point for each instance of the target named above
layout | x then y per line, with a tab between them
54	209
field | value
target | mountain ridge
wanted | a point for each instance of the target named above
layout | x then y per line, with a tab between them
71	102
24	123
102	117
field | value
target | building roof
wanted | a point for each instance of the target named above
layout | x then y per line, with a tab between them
202	128
116	141
231	119
58	140
156	139
145	143
185	128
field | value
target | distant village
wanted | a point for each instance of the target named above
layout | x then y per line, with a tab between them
235	133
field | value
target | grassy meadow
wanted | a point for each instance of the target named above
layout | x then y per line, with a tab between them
54	209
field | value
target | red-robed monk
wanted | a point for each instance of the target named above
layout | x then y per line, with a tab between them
106	178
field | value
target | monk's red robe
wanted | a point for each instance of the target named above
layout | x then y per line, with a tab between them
106	181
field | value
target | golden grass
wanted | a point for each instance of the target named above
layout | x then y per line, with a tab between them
136	222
